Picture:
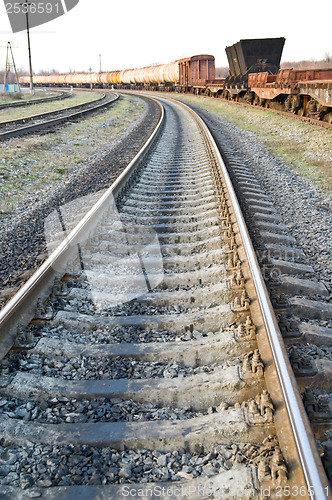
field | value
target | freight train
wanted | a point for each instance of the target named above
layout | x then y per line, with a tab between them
254	77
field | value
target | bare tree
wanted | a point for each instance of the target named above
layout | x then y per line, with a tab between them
222	72
309	64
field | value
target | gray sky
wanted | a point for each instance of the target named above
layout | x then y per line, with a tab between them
132	33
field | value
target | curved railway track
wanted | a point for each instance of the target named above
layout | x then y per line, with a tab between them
19	104
314	121
46	121
153	358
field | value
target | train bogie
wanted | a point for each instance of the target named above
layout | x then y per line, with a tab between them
297	91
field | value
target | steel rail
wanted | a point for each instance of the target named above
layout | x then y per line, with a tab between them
39	116
19	104
307	119
317	483
307	452
20	309
312	468
87	108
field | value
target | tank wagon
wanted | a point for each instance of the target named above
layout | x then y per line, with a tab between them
158	75
254	77
190	74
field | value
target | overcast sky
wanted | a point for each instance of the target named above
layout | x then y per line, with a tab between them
132	33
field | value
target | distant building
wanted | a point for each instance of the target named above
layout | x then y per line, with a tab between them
10	87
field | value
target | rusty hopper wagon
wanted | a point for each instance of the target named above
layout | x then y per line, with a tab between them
253	56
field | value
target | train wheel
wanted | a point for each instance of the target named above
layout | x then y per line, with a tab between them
289	103
312	109
297	104
327	117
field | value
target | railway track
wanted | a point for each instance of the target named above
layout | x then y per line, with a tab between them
308	119
48	120
19	104
152	358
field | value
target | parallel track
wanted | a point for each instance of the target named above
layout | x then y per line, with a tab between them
46	121
169	282
21	104
307	119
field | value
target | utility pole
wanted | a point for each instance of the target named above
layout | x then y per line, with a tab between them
29	48
99	63
90	71
7	69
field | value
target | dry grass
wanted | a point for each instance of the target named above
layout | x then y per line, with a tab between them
304	147
23	112
31	164
8	98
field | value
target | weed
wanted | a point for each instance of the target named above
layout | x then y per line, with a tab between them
61	170
303	147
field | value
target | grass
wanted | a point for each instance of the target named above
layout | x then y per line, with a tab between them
8	98
31	164
303	147
61	170
78	97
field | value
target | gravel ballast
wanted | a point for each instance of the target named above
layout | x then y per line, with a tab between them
108	335
45	466
22	236
305	209
88	368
